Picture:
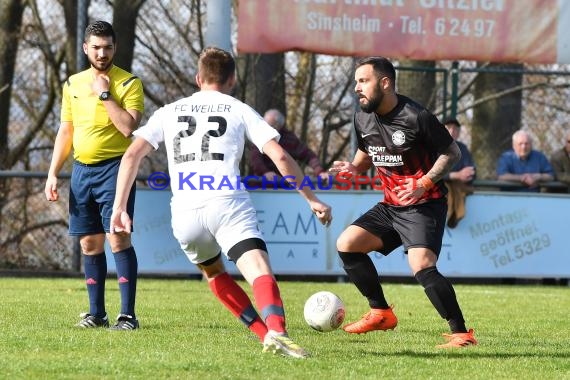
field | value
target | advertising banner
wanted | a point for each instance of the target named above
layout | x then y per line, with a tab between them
531	31
503	235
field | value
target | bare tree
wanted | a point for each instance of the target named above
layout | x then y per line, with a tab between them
10	22
262	81
169	73
125	14
418	81
70	11
326	111
32	102
497	118
299	84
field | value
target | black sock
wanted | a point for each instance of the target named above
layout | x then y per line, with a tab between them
441	294
95	267
127	266
362	272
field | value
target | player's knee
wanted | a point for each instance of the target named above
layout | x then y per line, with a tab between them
420	259
92	244
212	267
119	242
346	242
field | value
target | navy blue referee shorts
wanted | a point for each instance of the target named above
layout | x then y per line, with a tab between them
420	225
91	197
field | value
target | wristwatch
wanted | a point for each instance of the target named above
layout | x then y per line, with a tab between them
105	95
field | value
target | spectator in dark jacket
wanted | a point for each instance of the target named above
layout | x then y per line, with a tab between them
261	165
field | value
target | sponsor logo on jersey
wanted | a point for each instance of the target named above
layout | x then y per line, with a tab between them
381	158
398	138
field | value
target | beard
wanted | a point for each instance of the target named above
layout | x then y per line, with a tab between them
373	102
100	65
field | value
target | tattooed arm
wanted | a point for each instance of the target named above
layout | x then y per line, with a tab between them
444	162
412	190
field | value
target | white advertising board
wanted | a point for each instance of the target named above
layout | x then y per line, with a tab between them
502	235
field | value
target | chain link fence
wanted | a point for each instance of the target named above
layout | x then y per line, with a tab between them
34	231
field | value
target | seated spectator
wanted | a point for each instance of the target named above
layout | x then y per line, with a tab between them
464	169
560	161
261	165
459	181
524	165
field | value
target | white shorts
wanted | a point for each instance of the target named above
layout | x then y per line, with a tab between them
203	232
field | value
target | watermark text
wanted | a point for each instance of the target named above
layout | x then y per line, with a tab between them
341	181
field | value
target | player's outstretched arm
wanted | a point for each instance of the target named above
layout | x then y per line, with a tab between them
288	167
359	164
120	220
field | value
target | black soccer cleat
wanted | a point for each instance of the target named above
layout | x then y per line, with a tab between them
125	322
89	321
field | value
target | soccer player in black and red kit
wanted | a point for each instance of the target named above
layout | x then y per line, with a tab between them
411	151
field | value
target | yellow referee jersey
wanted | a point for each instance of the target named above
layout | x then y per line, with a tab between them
95	138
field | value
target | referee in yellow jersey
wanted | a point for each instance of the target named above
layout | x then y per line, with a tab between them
100	108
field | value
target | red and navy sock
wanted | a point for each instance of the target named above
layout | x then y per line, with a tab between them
269	302
238	303
127	267
95	267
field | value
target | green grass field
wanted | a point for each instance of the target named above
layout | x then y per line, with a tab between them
523	333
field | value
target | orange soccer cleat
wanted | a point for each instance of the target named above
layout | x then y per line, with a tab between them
375	319
459	340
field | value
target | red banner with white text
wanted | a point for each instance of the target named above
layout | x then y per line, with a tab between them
480	30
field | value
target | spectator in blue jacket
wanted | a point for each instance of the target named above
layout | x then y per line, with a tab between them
524	165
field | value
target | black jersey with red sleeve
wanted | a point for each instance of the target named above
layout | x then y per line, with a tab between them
402	144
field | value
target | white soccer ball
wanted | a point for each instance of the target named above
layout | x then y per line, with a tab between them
324	311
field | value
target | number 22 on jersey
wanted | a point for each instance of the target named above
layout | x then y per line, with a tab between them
206	154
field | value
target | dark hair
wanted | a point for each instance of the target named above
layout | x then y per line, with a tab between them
99	29
452	120
382	67
216	65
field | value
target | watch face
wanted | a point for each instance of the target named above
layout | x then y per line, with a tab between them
104	95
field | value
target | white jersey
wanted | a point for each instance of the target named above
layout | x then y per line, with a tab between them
205	136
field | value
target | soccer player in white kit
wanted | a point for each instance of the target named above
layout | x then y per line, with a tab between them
212	213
